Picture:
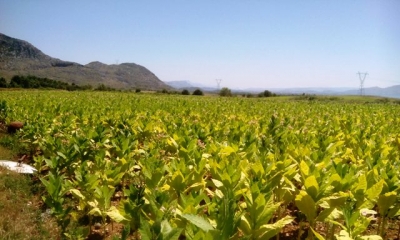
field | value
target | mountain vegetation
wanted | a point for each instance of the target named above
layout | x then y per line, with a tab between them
18	57
36	82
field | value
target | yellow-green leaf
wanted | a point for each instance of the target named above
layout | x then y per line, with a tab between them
374	191
115	215
217	183
245	225
385	201
77	193
95	211
311	186
306	205
317	235
305	170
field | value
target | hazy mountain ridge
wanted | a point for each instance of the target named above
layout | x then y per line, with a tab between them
18	57
188	85
393	91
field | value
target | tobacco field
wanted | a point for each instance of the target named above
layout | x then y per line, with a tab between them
188	167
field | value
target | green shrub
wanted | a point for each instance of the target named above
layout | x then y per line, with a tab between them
198	92
225	92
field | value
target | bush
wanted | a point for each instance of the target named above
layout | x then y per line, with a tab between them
103	87
3	82
137	90
185	92
198	92
266	93
225	92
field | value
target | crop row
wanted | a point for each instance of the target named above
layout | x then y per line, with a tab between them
206	167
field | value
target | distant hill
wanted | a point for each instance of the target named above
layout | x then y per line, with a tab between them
393	91
188	85
180	84
18	57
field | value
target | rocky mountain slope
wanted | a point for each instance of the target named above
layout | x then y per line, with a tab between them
18	57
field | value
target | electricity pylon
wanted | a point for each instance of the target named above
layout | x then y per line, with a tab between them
218	83
362	77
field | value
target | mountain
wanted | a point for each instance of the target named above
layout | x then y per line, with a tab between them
392	92
180	84
18	57
185	84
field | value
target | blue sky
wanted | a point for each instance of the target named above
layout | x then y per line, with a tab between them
246	43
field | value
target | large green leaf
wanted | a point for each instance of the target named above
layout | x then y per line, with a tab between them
169	233
312	187
317	235
386	201
200	222
374	191
304	169
115	215
306	205
267	231
177	181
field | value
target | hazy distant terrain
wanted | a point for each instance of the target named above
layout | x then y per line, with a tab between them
18	57
393	91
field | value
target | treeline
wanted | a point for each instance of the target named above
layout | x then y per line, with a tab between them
196	92
226	92
37	82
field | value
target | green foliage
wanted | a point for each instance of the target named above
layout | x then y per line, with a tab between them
266	93
225	92
103	87
3	83
198	92
185	92
168	166
36	82
3	111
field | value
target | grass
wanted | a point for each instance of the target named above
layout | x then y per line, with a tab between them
5	153
20	207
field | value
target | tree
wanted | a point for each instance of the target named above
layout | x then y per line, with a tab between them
225	92
15	81
198	92
3	82
185	92
266	93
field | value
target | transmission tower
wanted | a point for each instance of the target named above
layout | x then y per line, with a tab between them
362	77
218	83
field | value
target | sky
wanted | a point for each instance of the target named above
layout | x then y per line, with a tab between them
246	43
